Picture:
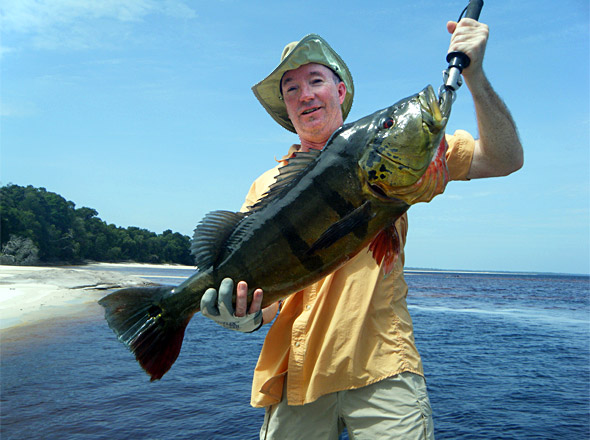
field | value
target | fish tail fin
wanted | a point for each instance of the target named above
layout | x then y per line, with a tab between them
140	321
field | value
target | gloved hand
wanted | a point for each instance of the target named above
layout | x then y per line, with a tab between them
220	309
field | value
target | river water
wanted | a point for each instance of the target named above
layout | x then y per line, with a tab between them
506	356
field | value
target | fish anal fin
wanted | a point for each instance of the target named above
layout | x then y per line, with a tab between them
341	228
386	248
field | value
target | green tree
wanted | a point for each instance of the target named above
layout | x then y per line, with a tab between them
62	233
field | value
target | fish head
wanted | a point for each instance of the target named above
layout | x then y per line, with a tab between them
403	158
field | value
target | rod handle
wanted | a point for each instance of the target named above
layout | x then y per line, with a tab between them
458	59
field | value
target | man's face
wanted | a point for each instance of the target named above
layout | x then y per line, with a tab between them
313	100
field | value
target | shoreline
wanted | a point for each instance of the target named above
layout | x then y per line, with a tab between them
33	293
136	265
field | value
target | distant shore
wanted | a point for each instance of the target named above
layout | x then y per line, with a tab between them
33	293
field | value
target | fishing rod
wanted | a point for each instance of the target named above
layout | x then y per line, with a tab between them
457	62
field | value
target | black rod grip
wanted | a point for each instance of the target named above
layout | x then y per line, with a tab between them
458	60
474	9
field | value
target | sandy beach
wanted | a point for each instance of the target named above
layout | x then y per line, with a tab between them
32	293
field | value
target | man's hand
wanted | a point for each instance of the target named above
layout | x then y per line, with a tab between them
470	37
219	307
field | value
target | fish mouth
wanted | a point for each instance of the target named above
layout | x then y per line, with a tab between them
401	165
379	193
431	113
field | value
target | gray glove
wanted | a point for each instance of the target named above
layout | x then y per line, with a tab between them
220	309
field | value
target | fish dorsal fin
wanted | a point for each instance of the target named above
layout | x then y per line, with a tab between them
288	174
211	235
344	226
386	248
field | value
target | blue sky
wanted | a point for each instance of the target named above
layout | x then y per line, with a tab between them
143	110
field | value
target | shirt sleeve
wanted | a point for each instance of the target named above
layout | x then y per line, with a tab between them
460	154
265	180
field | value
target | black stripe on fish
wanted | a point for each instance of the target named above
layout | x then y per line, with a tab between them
297	245
345	211
237	266
335	200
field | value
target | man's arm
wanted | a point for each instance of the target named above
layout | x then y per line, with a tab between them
498	151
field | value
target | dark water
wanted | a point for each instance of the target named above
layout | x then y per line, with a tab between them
506	357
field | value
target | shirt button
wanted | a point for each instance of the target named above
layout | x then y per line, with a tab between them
297	344
308	307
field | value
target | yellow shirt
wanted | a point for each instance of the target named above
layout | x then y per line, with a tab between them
348	330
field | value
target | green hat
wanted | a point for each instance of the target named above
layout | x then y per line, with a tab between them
311	49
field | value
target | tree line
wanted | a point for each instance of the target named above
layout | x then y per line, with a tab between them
37	225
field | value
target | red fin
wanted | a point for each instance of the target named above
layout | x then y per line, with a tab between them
385	248
136	316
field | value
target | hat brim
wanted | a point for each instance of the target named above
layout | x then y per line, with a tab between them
311	49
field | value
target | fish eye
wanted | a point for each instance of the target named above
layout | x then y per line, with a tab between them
388	123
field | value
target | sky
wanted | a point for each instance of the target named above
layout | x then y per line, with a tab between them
143	110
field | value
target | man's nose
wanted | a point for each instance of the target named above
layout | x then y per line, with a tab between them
306	93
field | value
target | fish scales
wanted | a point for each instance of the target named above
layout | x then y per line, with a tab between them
324	208
287	225
298	228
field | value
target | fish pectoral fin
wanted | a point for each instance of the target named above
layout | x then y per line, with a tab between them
385	248
211	235
343	227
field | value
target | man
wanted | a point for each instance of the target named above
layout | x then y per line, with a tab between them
341	352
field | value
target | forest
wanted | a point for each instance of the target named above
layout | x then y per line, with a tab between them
39	226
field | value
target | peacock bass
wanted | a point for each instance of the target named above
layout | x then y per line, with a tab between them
324	208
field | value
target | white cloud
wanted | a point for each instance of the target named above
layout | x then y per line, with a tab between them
38	15
5	50
74	23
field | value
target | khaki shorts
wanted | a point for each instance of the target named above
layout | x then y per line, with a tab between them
397	407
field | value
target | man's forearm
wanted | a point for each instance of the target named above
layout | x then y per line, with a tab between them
498	151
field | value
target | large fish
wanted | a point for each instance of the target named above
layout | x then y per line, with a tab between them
324	208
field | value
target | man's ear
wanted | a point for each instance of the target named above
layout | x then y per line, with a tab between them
341	91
